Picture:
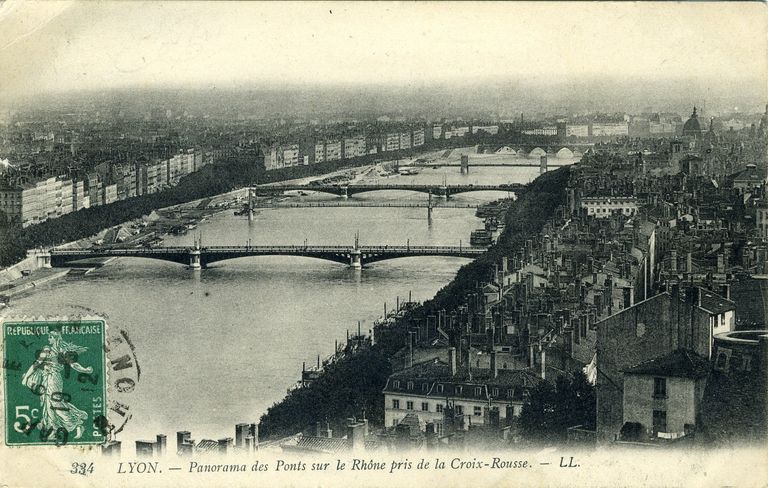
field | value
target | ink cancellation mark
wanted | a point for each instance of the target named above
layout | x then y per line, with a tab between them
55	381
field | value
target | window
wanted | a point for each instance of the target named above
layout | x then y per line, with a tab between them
410	385
659	388
424	407
723	357
510	393
439	388
495	392
659	421
424	386
459	389
478	411
396	404
746	363
459	410
409	405
478	391
439	408
396	384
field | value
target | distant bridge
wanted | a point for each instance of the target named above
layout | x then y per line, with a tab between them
359	203
349	190
562	151
200	257
479	165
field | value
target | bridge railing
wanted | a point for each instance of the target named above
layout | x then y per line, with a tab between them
267	248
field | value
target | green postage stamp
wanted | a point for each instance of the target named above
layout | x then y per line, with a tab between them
54	382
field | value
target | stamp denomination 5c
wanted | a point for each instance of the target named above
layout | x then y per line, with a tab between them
54	382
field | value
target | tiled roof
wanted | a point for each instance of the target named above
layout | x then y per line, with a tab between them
714	303
425	378
680	363
318	444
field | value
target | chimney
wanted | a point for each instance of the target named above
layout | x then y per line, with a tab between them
225	445
161	444
628	299
356	435
725	290
688	263
452	360
543	364
721	263
494	365
673	260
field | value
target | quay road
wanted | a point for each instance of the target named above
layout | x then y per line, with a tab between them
349	190
199	257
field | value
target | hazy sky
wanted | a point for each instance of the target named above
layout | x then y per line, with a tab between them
60	46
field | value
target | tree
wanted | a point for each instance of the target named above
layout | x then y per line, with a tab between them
550	409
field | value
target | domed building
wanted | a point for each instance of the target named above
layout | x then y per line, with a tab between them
692	127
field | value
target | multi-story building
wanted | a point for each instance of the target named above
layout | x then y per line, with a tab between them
333	150
418	137
110	193
437	131
541	131
484	396
489	129
610	129
456	132
354	147
291	155
578	130
649	330
603	207
32	203
761	221
320	152
405	140
392	142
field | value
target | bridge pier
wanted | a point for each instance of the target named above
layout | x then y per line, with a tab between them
42	257
356	259
346	193
543	164
194	259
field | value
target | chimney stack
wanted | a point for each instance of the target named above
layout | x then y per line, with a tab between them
494	365
543	364
673	260
452	360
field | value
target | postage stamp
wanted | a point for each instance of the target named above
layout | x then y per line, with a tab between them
55	384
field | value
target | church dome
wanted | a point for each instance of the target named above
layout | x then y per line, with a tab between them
691	126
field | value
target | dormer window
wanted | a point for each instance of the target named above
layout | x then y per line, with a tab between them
410	385
396	384
459	389
478	391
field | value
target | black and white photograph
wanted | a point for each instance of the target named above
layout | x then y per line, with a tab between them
383	244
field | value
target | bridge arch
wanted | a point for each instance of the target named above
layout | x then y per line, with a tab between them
537	152
564	153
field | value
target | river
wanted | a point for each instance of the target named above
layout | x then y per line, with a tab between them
219	346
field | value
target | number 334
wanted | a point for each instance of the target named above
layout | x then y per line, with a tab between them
82	468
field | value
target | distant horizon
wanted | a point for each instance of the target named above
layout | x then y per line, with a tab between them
657	50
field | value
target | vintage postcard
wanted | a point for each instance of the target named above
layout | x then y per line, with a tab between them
383	244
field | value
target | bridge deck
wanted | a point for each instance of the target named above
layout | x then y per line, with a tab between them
269	250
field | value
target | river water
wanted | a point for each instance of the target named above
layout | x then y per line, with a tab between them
219	346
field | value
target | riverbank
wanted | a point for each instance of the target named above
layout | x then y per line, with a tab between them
353	385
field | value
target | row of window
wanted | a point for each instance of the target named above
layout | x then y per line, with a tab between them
477	410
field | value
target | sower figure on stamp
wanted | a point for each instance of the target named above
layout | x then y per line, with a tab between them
44	378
